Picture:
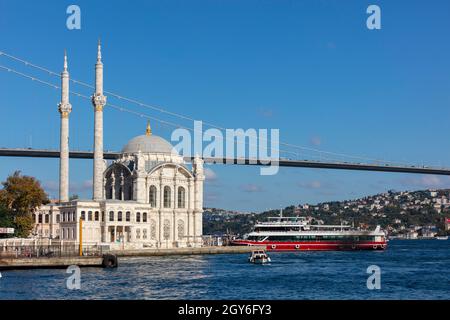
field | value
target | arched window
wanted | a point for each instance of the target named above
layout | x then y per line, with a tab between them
90	216
180	229
119	216
167	197
144	217
83	215
34	218
130	193
111	216
138	217
181	197
47	218
152	229
97	216
166	231
127	216
152	196
40	218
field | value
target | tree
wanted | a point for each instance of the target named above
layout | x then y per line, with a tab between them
6	220
20	197
73	197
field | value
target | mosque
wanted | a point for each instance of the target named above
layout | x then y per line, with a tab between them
147	198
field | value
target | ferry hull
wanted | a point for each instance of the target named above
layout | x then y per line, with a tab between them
312	246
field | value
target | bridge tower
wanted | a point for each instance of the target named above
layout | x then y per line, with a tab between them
64	109
98	101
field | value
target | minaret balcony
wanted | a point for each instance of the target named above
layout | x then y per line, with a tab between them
64	107
98	100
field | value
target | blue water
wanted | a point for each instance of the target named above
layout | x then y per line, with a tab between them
409	270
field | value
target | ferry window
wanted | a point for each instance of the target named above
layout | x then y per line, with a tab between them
119	216
111	216
138	217
127	216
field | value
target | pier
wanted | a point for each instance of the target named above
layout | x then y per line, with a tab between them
110	259
55	262
186	251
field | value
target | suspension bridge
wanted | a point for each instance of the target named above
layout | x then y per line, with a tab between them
291	156
42	153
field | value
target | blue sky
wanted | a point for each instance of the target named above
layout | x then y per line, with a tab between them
310	68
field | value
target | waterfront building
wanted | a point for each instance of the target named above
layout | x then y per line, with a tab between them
147	197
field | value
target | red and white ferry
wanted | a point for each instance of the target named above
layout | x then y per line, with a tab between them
295	234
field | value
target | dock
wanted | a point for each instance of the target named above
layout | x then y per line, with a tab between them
54	262
186	251
111	258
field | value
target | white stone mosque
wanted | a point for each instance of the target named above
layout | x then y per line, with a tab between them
146	198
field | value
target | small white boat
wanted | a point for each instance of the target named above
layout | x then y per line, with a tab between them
442	237
259	257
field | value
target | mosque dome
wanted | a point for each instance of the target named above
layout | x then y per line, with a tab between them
149	143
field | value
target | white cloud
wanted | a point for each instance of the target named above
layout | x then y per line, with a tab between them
210	175
315	141
50	186
316	184
426	181
251	188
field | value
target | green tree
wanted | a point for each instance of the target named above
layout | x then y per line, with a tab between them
74	197
20	197
6	220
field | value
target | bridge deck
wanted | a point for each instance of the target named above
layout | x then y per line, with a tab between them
110	155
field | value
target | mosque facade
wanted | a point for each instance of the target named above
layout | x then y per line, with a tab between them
147	198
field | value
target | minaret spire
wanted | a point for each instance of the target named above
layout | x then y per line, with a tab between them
65	60
98	101
64	109
99	51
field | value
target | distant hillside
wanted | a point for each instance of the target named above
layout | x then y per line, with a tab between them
397	212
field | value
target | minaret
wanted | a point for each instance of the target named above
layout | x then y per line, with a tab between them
64	109
99	101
